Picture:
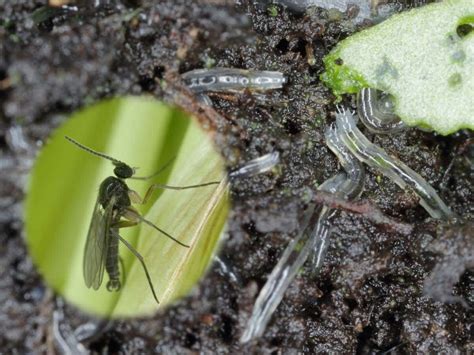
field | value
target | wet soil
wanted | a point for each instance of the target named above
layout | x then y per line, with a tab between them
379	291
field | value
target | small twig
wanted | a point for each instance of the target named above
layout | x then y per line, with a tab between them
229	97
58	3
5	84
364	208
181	96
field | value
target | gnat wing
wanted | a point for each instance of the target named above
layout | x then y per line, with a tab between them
95	251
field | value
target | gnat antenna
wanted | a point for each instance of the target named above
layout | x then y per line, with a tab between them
87	149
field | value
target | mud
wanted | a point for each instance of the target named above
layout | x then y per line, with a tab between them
378	291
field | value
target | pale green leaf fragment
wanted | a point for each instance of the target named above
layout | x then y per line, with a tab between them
421	57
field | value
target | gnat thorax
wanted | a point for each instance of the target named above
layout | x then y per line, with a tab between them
116	188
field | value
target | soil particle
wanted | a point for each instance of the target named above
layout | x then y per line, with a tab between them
456	256
378	290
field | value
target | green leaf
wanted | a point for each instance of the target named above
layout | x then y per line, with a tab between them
421	58
63	189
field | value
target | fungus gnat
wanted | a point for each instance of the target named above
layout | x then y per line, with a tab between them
113	210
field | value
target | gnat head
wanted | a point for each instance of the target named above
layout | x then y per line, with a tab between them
122	170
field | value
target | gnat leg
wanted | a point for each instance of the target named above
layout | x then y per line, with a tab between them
140	259
134	217
125	224
135	197
160	170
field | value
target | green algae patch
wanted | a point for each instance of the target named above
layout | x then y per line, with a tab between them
424	58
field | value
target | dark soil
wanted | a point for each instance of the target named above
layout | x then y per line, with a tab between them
378	292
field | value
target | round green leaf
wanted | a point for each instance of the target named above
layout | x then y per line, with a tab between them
424	58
